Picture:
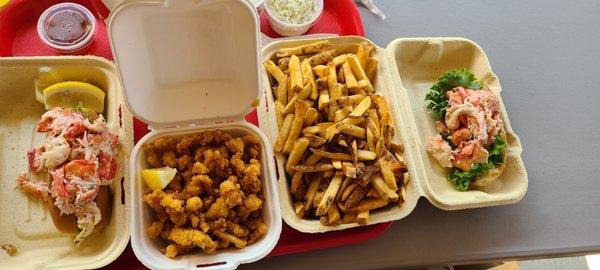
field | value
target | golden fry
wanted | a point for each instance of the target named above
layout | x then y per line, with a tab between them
323	94
384	191
315	47
314	140
281	91
370	139
349	76
333	216
319	167
296	153
364	155
371	68
343	186
346	101
295	74
364	50
309	78
334	90
311	116
330	193
279	114
321	70
321	58
388	175
296	126
357	69
363	217
348	218
364	205
299	209
302	95
361	108
339	60
357	194
331	155
337	164
283	133
352	130
366	85
312	190
274	70
347	191
342	113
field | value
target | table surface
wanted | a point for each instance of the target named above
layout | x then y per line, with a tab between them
546	54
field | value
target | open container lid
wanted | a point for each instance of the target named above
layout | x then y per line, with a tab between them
184	62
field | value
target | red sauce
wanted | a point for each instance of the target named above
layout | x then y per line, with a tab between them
67	27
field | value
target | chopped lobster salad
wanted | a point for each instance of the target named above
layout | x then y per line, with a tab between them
78	156
471	139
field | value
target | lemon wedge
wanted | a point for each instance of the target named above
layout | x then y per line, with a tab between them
72	94
158	178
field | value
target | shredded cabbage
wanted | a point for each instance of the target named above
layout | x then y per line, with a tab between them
293	11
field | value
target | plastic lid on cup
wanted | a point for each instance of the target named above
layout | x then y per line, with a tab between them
67	27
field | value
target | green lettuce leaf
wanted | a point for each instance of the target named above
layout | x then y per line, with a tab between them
436	98
462	179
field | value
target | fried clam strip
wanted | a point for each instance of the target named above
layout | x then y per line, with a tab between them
336	133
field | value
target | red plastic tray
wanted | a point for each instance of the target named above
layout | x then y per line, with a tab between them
18	37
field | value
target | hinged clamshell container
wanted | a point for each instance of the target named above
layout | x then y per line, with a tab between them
408	67
26	222
187	66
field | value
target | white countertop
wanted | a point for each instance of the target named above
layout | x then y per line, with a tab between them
547	56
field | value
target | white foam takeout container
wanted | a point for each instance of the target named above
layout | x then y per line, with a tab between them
26	222
408	67
188	66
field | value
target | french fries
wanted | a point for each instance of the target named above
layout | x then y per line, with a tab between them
321	58
321	70
363	217
348	76
364	50
371	68
329	195
296	153
309	78
296	127
336	133
295	74
361	108
316	47
274	70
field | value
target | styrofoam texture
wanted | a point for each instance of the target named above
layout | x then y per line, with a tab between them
200	57
413	125
148	250
292	29
26	221
382	86
416	63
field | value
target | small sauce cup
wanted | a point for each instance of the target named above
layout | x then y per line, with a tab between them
67	27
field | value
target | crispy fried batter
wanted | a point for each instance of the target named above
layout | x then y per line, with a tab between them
214	200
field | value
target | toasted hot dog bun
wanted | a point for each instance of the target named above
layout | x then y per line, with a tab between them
493	174
68	223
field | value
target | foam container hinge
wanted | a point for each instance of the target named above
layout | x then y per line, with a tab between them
408	67
26	222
